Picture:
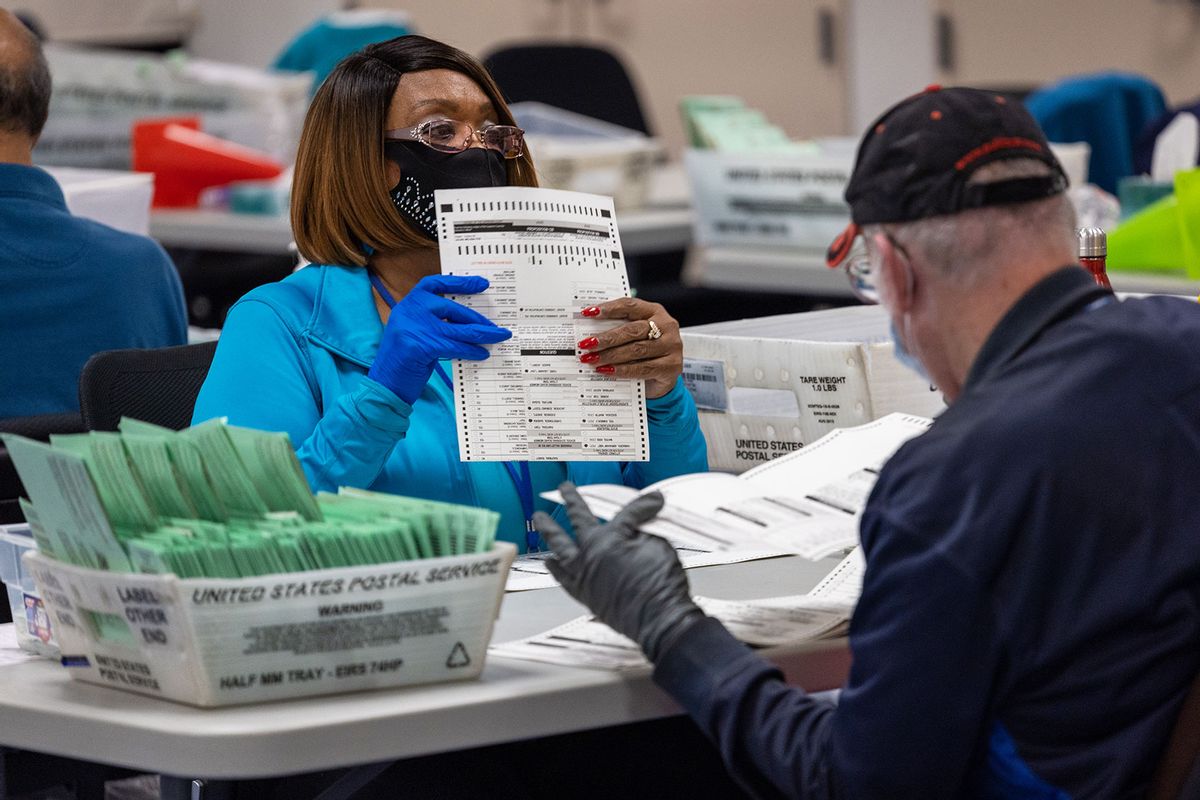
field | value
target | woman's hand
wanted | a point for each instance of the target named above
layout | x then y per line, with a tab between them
425	327
631	350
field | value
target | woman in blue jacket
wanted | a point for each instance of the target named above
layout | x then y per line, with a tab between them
346	355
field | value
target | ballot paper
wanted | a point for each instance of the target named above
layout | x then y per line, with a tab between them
768	622
807	503
547	254
529	570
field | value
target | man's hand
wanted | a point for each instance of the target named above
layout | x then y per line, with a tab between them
632	581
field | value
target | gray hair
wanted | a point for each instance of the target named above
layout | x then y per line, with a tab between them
24	83
967	244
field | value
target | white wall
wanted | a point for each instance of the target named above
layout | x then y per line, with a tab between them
252	32
1031	42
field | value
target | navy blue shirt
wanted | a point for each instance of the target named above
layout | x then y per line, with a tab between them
71	287
1030	616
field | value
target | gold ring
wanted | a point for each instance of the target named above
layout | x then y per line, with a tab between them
654	331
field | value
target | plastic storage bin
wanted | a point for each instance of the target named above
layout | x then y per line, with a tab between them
771	385
30	617
224	641
583	154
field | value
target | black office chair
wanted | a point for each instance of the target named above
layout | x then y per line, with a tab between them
587	80
154	385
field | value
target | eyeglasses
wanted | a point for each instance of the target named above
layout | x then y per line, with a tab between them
453	136
858	270
861	273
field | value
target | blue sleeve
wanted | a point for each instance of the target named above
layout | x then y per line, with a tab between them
774	738
261	378
913	719
677	446
915	716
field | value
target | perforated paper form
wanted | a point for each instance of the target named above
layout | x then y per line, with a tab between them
548	254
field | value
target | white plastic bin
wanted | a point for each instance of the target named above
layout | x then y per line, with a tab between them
219	641
582	154
769	386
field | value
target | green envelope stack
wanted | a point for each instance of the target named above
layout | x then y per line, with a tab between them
219	501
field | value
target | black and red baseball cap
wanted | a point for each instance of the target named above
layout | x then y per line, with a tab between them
915	160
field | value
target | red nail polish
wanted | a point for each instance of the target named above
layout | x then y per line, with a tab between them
591	311
588	358
607	369
589	343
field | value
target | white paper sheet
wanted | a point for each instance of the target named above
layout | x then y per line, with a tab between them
586	642
807	503
529	571
548	254
582	642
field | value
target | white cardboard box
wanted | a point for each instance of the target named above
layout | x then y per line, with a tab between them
215	642
768	386
582	154
783	199
117	198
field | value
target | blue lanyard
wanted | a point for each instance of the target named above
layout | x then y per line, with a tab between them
517	470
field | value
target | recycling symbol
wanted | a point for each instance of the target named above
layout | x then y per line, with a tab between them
458	656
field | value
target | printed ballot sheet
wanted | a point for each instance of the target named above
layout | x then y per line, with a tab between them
807	503
548	254
823	613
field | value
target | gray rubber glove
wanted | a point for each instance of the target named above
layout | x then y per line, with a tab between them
632	581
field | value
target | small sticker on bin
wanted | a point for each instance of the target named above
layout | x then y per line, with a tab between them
705	381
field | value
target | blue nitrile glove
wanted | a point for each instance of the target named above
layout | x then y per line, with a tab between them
632	581
425	327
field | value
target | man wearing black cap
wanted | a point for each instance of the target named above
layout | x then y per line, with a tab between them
1030	613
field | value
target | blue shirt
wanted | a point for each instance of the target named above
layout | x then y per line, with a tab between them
71	287
293	356
1030	616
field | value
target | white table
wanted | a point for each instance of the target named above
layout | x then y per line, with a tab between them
664	224
42	709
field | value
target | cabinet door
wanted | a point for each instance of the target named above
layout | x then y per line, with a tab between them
771	53
1026	43
768	52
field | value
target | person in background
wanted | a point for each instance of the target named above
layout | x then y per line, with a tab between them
1030	612
320	46
347	355
69	287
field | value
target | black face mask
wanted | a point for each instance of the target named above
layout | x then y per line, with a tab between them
423	169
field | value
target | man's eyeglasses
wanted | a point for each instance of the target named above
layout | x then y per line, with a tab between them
860	273
849	250
453	136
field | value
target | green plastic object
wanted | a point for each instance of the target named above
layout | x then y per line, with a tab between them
1187	192
1149	241
1162	237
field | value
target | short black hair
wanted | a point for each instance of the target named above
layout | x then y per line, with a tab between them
25	91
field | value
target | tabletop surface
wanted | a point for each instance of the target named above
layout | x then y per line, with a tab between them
42	709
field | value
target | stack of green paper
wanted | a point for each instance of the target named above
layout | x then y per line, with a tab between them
215	501
724	123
